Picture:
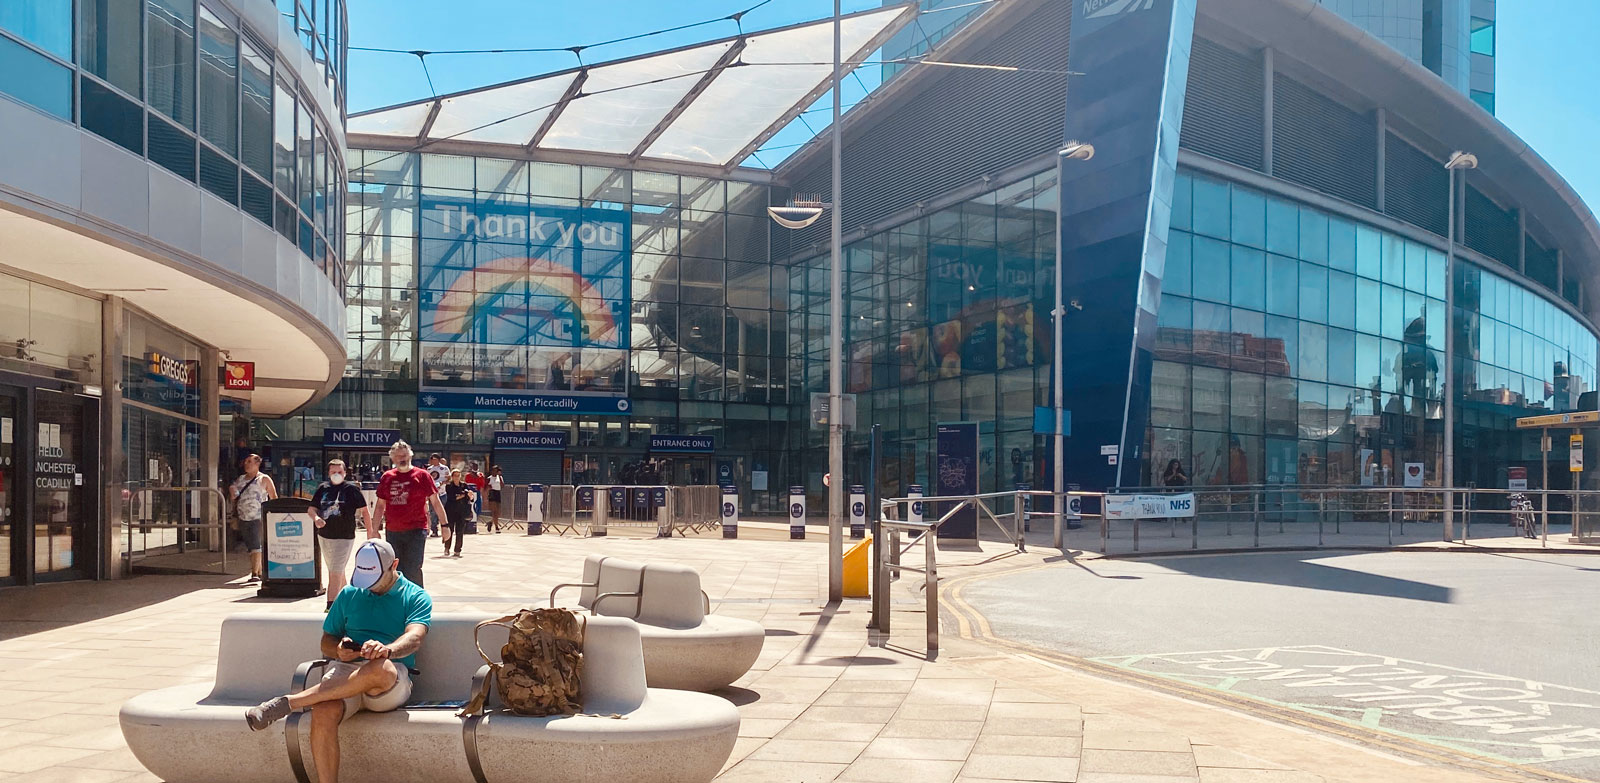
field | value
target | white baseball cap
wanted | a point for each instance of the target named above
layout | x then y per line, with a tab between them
372	560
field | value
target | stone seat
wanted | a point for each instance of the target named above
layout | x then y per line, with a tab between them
685	647
197	732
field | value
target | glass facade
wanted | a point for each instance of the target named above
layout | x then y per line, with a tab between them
176	82
1299	347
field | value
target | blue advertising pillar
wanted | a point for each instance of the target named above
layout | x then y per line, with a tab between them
1130	67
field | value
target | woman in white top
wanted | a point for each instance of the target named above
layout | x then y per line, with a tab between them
247	494
496	482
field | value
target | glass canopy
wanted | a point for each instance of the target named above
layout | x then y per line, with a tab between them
712	103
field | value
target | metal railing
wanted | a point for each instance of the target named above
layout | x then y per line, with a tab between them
1299	516
174	521
588	510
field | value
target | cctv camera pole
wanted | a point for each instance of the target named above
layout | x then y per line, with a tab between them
836	347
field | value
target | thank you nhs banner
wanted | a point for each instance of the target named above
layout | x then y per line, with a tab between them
524	300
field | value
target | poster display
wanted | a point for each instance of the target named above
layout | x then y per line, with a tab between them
956	473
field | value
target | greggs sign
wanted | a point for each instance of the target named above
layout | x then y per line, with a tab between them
239	376
163	366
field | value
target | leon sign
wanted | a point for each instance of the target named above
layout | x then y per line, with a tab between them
239	376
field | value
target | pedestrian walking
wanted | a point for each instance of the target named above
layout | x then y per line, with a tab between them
440	471
459	497
247	494
496	483
404	494
335	507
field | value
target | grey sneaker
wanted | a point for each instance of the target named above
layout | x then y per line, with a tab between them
267	713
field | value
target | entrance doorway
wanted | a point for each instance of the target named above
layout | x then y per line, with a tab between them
49	469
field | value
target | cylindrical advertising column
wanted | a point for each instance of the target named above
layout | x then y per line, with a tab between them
914	513
535	509
730	512
797	513
858	511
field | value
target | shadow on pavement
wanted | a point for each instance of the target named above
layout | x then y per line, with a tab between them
50	606
1296	571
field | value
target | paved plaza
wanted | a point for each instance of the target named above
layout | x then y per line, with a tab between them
823	702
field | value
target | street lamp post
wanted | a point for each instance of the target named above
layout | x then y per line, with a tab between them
835	344
1075	151
1459	161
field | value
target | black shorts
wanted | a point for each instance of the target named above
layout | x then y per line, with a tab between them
494	496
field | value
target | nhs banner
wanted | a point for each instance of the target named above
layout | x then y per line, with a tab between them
1150	506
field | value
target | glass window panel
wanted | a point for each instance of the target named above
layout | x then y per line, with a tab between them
1313	363
303	157
742	102
1246	400
219	83
1182	202
1394	260
1247	338
1174	325
283	139
109	42
1314	293
1211	208
1213	339
1177	276
1210	398
1282	407
1482	41
1369	252
1249	218
625	101
1313	236
1211	265
1210	459
255	87
1167	446
1169	395
1283	335
1435	273
1341	299
1341	357
1416	267
1369	306
46	24
1249	278
1369	362
1342	244
1390	357
1283	285
169	29
1394	313
114	117
35	79
1283	227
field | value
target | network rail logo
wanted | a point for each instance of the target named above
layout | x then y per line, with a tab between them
1101	9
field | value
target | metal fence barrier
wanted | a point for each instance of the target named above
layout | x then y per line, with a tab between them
592	509
182	526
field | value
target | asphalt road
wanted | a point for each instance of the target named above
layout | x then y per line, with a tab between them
1494	655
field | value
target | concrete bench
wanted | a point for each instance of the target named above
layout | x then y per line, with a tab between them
197	732
685	646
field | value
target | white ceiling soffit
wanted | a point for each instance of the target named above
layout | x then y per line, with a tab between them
746	100
688	105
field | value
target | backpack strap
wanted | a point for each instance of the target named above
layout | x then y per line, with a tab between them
480	696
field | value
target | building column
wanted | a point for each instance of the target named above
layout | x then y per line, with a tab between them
113	458
210	443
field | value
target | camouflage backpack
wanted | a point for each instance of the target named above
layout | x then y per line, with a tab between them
540	665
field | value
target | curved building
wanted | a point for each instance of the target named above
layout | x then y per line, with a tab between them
170	195
1256	263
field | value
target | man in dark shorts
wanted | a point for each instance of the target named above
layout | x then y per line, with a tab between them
404	494
334	509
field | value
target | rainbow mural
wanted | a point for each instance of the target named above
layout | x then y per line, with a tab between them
495	299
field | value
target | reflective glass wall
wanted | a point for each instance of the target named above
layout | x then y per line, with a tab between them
1299	347
188	87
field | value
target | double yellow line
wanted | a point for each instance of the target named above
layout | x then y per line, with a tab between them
972	625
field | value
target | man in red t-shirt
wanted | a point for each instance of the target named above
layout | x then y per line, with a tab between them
404	493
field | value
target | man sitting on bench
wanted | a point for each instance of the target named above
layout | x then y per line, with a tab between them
373	630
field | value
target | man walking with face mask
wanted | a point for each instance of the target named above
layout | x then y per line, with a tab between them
334	509
404	494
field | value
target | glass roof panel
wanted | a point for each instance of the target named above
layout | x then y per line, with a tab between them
502	115
746	100
624	101
399	121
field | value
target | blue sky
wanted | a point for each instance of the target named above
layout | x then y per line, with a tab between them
1547	62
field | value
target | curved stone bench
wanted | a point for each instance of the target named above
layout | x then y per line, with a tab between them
684	647
197	732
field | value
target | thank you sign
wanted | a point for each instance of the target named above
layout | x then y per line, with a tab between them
1180	506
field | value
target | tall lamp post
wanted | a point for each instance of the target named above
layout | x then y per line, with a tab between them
1459	161
836	343
1074	150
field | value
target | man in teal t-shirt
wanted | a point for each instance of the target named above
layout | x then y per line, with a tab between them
372	632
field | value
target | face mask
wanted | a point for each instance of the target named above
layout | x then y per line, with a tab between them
336	478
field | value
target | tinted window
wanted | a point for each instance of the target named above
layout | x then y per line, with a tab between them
219	83
108	42
35	79
46	24
170	32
